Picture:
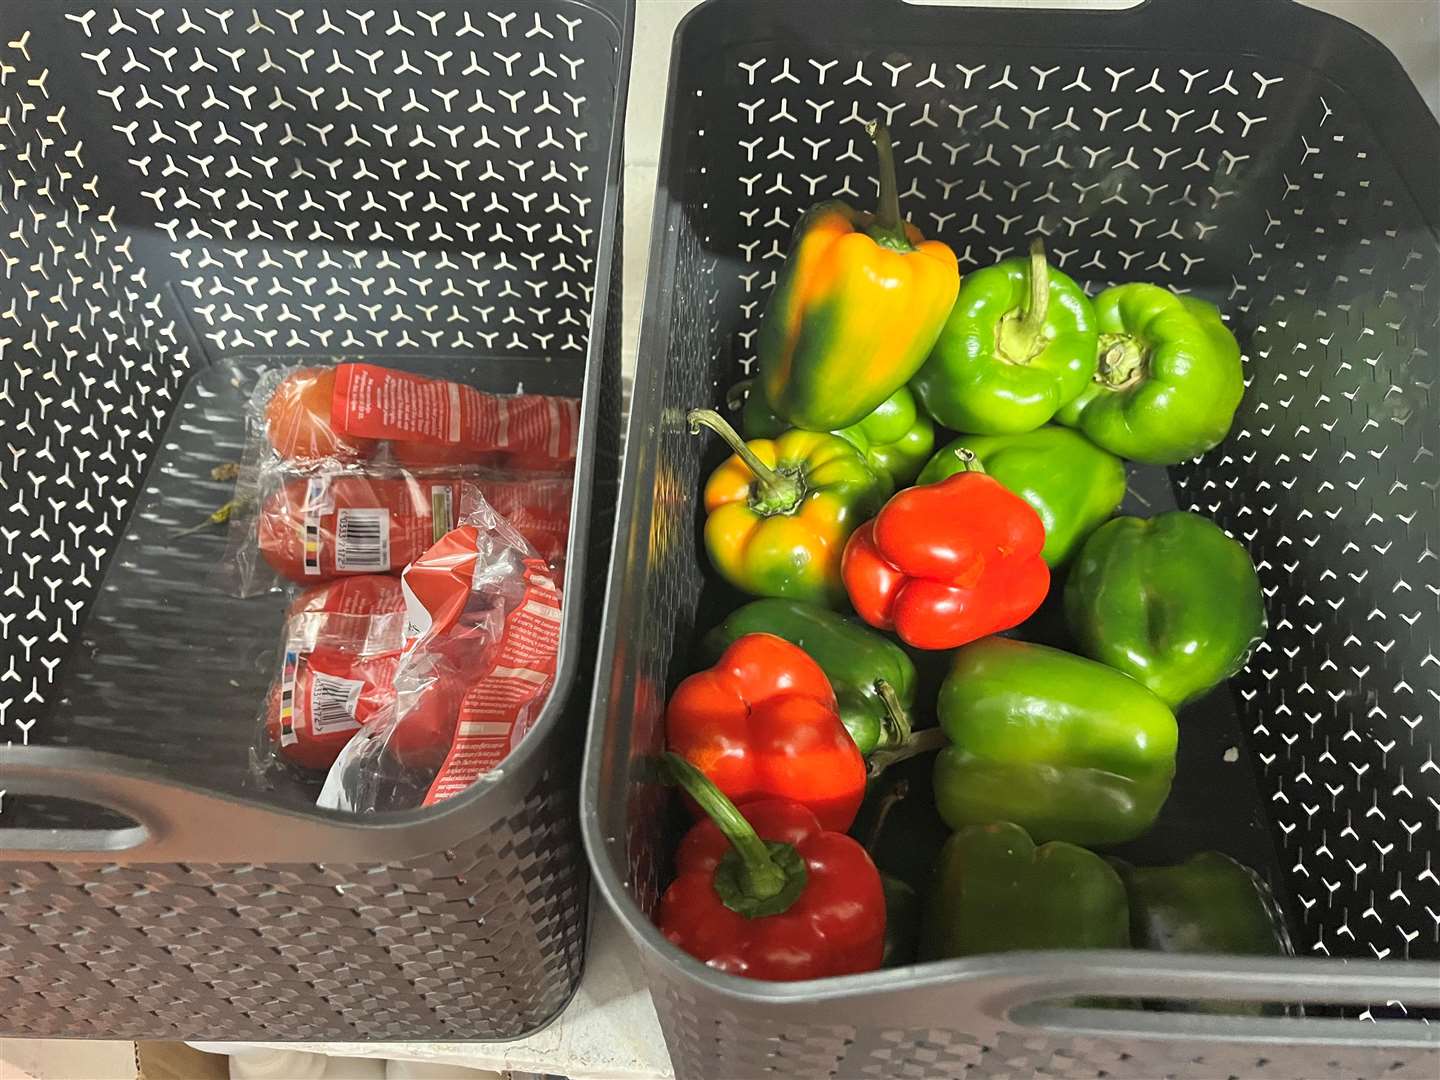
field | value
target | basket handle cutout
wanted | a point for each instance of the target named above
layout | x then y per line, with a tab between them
177	823
1222	997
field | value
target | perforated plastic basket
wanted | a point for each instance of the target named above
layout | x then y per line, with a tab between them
1257	153
189	192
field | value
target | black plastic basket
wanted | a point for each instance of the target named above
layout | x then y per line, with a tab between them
192	192
1257	153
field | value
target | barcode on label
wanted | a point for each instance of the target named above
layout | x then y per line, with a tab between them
442	511
332	703
362	541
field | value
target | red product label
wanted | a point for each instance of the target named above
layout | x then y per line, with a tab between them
500	706
379	403
437	586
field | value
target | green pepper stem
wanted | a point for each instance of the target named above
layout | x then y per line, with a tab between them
919	742
1039	305
1122	361
760	877
969	460
891	799
776	493
888	228
1021	337
897	721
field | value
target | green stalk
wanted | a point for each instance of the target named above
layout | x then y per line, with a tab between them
897	720
755	878
888	228
1021	336
775	492
919	742
1122	361
969	461
891	799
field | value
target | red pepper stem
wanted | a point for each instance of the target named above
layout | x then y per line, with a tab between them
919	742
888	228
1021	337
897	720
760	876
969	460
775	493
891	799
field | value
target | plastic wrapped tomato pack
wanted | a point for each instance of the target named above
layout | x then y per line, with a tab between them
356	469
339	521
483	632
376	519
340	647
353	412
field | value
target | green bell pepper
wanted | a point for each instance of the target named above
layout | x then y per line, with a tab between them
1168	378
1171	601
896	438
1069	481
1065	747
994	891
1019	344
873	678
1208	904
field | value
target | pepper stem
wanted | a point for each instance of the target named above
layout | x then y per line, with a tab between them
755	878
888	229
1122	361
896	725
1021	335
891	799
775	492
919	742
969	460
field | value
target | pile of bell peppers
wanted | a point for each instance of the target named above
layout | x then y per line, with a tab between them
854	548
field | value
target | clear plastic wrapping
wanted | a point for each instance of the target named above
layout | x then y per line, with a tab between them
482	632
340	647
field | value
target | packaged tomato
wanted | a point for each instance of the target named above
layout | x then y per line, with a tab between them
483	633
537	505
297	419
338	658
437	422
424	455
313	528
364	594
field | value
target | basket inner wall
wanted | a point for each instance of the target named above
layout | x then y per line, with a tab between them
1256	185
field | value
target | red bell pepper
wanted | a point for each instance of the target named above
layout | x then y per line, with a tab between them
763	724
947	563
767	893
